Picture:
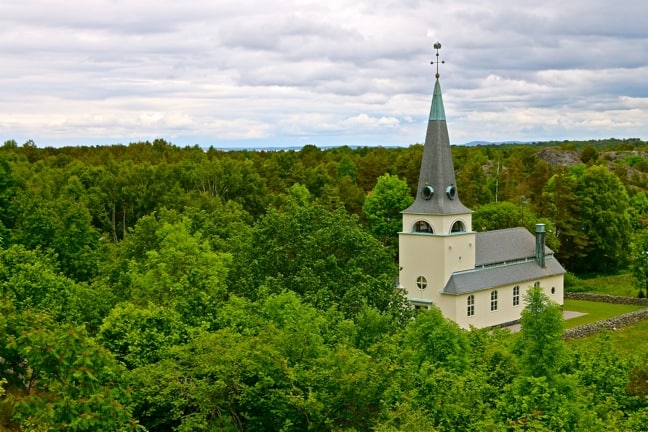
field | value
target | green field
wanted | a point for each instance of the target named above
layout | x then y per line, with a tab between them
619	285
595	311
631	339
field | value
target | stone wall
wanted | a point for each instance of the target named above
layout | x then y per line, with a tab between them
608	324
607	298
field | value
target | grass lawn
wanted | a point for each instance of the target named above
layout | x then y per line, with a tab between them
619	285
631	340
595	311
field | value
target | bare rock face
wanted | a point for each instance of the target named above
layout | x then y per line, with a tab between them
556	157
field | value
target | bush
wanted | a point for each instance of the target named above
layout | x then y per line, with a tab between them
573	283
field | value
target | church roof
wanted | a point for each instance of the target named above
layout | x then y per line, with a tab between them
437	191
503	257
504	245
492	277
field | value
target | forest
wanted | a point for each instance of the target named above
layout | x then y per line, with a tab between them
151	287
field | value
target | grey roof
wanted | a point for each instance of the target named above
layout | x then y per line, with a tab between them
504	245
503	257
437	168
496	276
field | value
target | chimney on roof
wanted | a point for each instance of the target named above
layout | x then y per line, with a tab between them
540	244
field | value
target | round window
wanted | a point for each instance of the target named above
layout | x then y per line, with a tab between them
451	191
428	192
421	282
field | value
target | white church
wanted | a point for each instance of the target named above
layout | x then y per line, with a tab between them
477	279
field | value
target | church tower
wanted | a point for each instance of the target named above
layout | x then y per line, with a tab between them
437	238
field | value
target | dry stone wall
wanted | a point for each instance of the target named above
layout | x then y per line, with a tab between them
607	298
608	324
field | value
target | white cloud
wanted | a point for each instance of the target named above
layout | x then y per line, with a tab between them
332	72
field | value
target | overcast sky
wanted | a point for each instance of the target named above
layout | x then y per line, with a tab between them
252	73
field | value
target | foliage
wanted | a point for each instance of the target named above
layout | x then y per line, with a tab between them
502	215
604	218
541	342
436	340
270	371
59	378
640	264
382	208
199	289
139	336
180	272
324	256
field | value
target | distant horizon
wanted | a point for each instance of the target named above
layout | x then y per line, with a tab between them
269	147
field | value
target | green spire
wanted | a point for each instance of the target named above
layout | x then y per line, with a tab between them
436	111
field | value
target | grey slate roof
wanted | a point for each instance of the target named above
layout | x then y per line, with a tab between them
437	168
492	277
504	245
503	257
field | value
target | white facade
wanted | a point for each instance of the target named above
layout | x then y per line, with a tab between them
475	279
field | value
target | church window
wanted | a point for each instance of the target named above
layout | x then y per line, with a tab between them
458	226
553	290
536	284
423	227
428	192
421	282
471	305
516	295
493	300
451	191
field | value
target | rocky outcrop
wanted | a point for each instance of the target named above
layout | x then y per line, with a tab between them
556	157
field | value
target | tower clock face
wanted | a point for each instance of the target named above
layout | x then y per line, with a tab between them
427	192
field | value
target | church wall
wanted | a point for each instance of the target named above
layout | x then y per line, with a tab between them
456	307
419	256
459	252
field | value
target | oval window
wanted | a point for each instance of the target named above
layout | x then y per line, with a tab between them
451	191
428	192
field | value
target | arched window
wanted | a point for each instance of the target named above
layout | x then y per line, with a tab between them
471	305
423	227
493	300
458	226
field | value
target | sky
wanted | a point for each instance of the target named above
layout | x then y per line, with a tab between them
286	73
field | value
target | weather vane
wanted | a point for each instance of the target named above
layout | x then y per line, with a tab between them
437	47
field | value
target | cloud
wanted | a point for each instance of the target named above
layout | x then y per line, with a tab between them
338	71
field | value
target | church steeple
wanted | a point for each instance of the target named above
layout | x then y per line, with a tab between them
437	188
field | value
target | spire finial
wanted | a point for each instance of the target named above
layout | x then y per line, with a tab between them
437	47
